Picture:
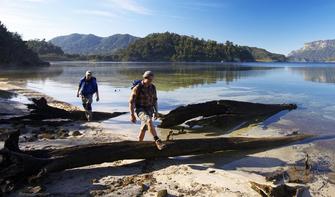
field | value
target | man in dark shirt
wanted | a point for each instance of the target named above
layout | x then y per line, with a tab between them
87	88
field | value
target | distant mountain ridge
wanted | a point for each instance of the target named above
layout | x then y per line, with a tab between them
89	44
321	50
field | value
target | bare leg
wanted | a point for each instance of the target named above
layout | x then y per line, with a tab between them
142	133
152	130
151	127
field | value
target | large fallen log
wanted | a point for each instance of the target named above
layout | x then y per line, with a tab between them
224	114
40	111
17	165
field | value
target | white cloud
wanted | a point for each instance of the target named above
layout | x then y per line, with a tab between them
96	13
130	6
50	18
35	1
24	19
201	6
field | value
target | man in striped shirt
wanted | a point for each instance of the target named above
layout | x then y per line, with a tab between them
143	98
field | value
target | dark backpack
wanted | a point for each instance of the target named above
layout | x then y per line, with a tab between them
135	83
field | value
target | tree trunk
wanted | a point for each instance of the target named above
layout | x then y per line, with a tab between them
17	165
40	110
222	113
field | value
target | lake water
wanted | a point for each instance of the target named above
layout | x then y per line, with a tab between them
309	85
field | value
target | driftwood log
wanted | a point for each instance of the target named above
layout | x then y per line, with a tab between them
18	166
41	112
224	114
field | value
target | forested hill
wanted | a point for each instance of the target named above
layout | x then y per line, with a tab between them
174	47
42	47
14	51
264	55
90	44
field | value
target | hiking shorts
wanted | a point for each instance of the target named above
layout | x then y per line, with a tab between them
144	114
87	101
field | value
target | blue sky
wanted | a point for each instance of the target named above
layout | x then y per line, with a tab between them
276	25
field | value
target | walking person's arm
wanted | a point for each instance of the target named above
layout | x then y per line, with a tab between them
97	93
156	115
78	91
79	88
132	100
96	89
98	98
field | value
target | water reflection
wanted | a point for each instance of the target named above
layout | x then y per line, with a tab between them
35	73
317	74
169	76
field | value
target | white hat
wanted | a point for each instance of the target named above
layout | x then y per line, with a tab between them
88	72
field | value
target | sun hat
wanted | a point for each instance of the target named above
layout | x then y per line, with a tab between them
148	74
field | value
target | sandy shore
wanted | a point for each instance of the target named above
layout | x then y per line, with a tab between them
219	174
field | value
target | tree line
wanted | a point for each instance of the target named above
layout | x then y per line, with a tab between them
174	47
14	51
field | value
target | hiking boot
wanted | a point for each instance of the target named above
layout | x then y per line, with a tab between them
159	144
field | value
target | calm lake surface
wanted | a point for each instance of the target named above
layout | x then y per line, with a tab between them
310	85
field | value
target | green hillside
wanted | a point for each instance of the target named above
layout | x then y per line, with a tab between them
14	51
173	47
89	44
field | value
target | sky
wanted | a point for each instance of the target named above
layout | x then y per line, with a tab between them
279	26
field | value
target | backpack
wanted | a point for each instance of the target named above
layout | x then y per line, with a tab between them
135	83
88	89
